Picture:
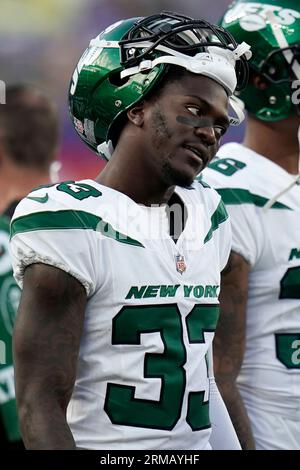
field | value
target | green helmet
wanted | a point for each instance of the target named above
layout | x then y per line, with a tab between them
272	28
129	58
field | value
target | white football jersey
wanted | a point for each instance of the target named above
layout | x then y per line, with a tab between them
269	239
142	377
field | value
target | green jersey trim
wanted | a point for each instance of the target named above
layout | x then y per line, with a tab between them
218	217
202	182
244	196
68	219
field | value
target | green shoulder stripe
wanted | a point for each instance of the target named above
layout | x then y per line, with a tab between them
68	219
218	217
243	196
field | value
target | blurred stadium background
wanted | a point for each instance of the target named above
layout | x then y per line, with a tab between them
41	41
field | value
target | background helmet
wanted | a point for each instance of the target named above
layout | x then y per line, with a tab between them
129	58
272	28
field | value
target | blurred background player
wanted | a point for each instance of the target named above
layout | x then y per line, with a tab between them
257	345
10	437
28	144
28	148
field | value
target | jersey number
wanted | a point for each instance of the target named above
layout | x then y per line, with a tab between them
227	166
78	190
290	284
128	325
288	345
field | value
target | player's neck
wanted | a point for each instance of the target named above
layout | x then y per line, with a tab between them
145	194
126	175
276	141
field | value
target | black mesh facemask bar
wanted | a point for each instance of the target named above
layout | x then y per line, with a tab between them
162	33
270	67
169	34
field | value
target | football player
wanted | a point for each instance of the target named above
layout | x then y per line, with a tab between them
9	299
28	147
119	306
257	344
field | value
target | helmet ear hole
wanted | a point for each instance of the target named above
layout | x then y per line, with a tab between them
259	82
116	80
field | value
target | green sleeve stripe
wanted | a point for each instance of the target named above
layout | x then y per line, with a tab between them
218	217
68	219
243	196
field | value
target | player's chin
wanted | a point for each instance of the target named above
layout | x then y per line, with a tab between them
190	169
181	175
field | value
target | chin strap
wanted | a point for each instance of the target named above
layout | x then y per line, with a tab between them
216	63
282	42
105	150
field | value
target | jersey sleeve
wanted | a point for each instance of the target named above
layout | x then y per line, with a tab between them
223	435
247	235
57	236
220	228
225	236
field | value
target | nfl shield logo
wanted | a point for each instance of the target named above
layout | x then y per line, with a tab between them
180	264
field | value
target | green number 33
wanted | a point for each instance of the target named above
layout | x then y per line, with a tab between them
128	325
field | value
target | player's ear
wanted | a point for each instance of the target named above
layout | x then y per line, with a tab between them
259	82
136	114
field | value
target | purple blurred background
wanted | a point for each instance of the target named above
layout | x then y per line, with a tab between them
41	41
